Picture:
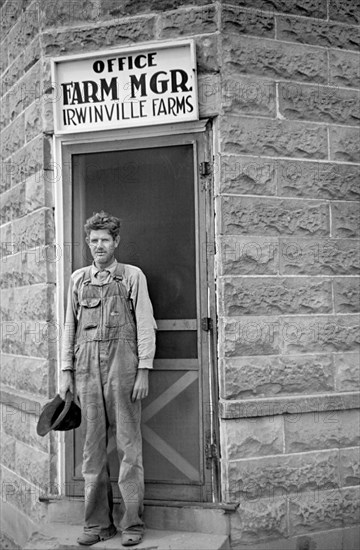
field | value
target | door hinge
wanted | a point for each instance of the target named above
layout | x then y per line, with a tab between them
207	324
205	168
211	452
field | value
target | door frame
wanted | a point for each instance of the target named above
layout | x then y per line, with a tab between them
67	145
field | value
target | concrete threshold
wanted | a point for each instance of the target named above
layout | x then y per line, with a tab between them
58	536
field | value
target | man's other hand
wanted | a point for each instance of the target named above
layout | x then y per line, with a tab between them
66	383
141	386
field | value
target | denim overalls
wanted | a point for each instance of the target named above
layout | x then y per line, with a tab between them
106	364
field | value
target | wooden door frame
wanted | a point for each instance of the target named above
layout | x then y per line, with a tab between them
137	138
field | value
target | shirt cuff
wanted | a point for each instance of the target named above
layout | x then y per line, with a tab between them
145	364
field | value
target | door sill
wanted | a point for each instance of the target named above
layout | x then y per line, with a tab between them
227	507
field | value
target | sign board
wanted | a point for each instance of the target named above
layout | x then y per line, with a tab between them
137	86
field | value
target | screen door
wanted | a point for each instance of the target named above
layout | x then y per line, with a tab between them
155	192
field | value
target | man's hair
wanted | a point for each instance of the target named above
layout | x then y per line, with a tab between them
103	220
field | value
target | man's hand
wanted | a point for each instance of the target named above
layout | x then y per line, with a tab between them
66	383
141	386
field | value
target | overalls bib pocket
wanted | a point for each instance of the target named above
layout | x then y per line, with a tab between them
115	312
90	311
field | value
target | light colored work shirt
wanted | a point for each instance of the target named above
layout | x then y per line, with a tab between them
135	283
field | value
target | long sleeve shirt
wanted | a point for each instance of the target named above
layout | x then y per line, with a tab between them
136	286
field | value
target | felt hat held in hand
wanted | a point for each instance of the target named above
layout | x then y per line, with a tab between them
59	415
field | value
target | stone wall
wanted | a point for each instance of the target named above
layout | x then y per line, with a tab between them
287	215
282	79
28	322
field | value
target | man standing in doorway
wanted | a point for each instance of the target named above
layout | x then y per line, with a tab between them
109	346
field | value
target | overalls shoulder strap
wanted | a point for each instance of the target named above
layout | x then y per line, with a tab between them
87	275
85	281
119	271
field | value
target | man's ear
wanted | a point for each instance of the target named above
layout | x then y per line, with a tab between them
117	240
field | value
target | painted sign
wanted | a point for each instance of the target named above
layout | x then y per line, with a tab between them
125	88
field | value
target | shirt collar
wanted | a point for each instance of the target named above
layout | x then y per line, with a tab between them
110	268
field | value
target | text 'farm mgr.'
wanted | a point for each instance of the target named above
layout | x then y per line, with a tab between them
109	346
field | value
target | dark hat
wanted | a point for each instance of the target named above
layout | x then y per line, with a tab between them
59	415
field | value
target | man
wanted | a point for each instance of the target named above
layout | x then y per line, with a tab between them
109	345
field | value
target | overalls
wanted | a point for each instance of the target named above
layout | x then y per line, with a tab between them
106	366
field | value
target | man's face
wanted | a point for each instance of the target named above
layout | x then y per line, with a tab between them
102	246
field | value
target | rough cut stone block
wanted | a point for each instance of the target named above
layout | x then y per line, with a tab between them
4	57
320	257
9	14
5	243
273	138
111	8
319	103
347	294
23	32
322	430
347	371
238	21
318	180
250	96
4	113
31	464
35	302
27	91
257	520
344	68
252	437
272	59
317	32
209	94
322	510
12	203
250	336
345	219
12	75
292	405
33	120
345	144
260	216
7	450
64	13
317	334
249	255
30	338
345	10
23	496
27	161
307	8
259	296
38	193
22	64
283	475
7	303
12	138
248	377
77	40
350	465
36	229
25	373
247	175
27	267
22	425
189	21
